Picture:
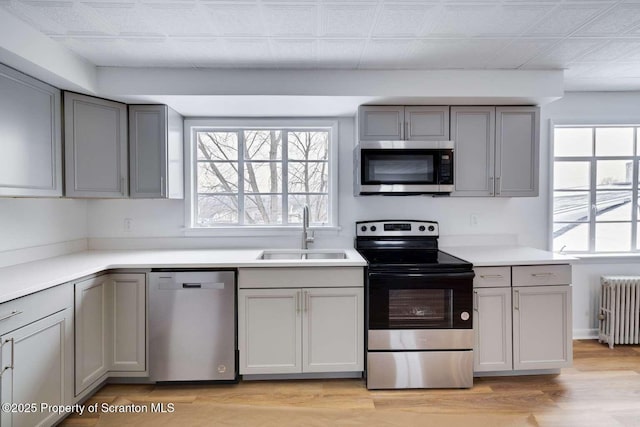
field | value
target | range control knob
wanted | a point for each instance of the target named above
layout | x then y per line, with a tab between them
431	228
363	228
421	228
464	316
373	228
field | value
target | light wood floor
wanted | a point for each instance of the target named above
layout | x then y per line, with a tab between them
601	389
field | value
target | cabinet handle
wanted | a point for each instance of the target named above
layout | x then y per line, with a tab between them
475	300
162	192
122	185
491	187
491	276
498	185
406	132
12	355
306	301
516	302
298	302
542	274
13	313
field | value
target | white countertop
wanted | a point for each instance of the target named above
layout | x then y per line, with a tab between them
482	256
24	279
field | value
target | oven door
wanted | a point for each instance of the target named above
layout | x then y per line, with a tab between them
420	300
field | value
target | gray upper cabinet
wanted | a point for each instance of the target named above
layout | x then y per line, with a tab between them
517	145
95	147
381	122
496	151
31	129
155	150
426	123
397	122
473	131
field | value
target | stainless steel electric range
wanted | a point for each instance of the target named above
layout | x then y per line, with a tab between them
419	312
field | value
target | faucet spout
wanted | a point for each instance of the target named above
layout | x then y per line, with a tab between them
307	235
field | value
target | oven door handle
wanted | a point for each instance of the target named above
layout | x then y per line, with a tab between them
465	275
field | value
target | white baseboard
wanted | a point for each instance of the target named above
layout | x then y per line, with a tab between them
34	253
585	334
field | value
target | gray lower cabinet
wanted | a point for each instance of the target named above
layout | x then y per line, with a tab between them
96	155
522	318
31	129
397	122
155	152
496	151
110	332
36	333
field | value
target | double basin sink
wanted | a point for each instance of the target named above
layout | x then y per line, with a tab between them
302	254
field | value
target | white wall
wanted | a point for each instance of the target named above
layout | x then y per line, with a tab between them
157	219
594	108
36	228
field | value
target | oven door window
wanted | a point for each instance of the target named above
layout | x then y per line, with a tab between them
399	167
420	301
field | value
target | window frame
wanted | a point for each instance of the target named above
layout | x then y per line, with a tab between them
285	124
592	191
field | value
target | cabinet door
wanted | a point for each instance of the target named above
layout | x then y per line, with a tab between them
36	370
95	147
542	327
31	126
473	131
427	123
381	122
128	322
517	147
148	150
269	331
333	330
92	331
492	328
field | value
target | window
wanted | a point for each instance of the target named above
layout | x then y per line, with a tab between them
595	189
262	175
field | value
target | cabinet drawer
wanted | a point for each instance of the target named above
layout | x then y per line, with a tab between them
492	277
534	275
301	277
28	309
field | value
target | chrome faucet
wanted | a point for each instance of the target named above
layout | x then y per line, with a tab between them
307	235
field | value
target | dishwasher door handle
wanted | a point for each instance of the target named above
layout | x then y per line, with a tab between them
192	285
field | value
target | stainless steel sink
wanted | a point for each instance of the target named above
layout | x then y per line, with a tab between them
302	254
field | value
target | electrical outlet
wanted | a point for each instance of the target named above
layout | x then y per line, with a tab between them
473	220
127	225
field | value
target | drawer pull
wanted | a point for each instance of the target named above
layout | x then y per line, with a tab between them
475	300
542	274
491	276
10	315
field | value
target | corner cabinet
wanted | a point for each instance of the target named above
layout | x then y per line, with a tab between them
315	327
96	161
31	129
523	318
496	151
110	328
37	355
155	152
392	122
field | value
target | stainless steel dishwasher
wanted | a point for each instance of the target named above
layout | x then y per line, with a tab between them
192	325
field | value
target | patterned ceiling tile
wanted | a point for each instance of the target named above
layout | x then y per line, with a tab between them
249	52
235	19
291	20
563	53
294	53
347	20
518	52
612	51
566	19
124	18
200	51
384	53
621	18
402	20
179	18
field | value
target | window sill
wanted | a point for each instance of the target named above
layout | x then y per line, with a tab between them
249	231
609	258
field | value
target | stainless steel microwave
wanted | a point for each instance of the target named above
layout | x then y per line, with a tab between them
403	167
